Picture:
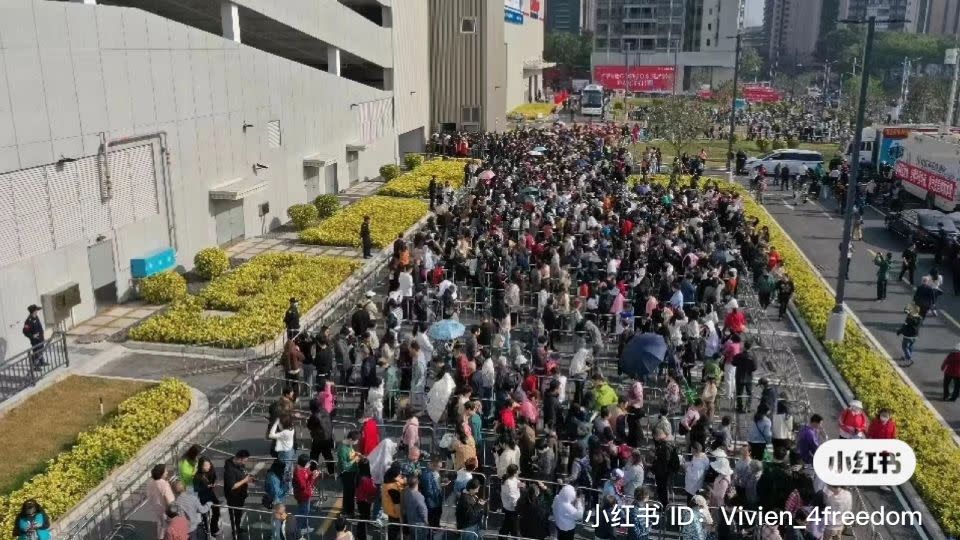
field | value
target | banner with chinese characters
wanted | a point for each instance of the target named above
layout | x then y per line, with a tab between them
636	78
939	185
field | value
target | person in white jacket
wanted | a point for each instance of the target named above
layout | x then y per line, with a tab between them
567	511
423	340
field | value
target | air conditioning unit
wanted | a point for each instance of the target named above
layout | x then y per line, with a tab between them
57	304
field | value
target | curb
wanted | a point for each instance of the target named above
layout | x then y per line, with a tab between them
910	493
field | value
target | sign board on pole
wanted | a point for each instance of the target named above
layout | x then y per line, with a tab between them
950	58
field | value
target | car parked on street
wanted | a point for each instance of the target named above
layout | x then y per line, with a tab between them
922	225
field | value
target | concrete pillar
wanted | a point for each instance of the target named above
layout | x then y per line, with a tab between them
230	21
333	60
388	79
387	16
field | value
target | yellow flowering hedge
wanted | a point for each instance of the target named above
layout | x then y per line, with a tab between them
871	376
416	183
389	216
70	476
257	293
532	111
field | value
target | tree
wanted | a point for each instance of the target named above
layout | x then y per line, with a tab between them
679	121
876	98
570	51
928	100
750	63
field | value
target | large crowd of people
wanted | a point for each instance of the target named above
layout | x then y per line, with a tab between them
554	262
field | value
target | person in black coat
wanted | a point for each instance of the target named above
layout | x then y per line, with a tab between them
33	330
291	319
432	190
533	507
366	240
203	482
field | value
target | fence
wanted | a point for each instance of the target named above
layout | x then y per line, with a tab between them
23	370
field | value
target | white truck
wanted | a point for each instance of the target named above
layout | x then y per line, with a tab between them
928	166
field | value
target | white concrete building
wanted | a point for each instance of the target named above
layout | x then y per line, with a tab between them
134	125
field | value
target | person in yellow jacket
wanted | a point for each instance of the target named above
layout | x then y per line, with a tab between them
604	394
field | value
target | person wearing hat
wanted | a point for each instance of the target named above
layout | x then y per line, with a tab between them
292	319
33	330
852	421
951	374
721	484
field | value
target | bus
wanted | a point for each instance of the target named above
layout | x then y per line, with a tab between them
592	102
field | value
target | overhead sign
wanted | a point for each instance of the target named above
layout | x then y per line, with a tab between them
513	11
760	94
636	79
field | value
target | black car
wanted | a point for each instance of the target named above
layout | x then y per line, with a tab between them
922	226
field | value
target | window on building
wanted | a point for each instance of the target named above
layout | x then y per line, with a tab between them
468	25
601	44
708	42
615	43
709	27
470	115
273	133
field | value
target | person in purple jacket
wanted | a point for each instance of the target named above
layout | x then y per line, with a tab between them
808	439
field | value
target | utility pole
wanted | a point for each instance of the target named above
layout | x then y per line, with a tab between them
952	100
838	318
733	105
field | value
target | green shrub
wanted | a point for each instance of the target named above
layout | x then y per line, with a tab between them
163	288
618	105
327	205
210	262
412	161
389	171
792	142
776	144
79	470
302	215
763	145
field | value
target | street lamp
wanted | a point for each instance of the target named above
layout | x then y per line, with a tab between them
733	105
838	318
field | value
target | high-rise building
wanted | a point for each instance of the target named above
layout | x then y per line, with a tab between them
663	45
940	17
908	14
791	29
572	16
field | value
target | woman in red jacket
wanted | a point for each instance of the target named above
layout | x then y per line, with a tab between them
883	426
735	321
853	421
951	374
369	436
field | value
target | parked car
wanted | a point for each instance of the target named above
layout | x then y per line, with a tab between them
922	225
790	157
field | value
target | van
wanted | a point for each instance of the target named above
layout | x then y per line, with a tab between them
792	158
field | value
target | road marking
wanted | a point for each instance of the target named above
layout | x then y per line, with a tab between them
787	205
828	216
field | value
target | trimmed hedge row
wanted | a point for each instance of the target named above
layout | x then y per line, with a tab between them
78	471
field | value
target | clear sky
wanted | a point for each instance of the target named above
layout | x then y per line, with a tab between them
754	13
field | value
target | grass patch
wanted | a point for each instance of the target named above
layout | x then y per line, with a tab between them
48	423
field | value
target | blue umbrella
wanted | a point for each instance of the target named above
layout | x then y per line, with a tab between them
643	354
446	330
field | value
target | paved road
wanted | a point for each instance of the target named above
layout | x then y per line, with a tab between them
817	229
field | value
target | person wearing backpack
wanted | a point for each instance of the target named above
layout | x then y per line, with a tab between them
469	511
666	463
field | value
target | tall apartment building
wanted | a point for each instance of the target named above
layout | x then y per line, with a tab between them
665	44
940	17
571	16
791	29
486	57
910	13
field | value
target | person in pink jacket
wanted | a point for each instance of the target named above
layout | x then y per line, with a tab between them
159	498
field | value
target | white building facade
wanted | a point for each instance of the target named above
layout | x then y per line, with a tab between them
125	131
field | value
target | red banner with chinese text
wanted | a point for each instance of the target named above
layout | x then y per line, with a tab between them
636	79
939	185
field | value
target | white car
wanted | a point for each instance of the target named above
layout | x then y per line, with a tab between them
792	158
